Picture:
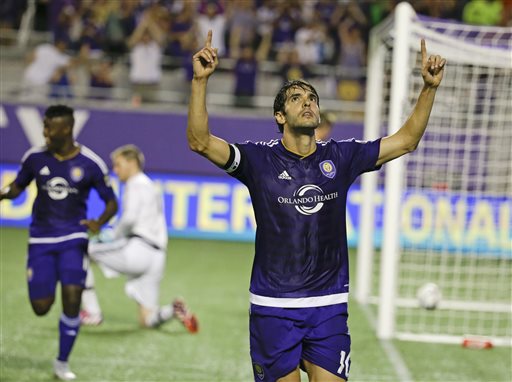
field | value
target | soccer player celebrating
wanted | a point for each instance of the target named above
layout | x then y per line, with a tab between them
298	186
65	172
138	249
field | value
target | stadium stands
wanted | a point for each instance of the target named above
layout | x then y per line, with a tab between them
334	32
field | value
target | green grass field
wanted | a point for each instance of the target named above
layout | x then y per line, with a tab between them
213	277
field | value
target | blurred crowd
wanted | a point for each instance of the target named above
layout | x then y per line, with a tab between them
154	35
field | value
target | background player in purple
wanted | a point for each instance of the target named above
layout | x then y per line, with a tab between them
64	172
298	186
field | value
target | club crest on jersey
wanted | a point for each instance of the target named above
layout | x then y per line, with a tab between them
76	173
328	168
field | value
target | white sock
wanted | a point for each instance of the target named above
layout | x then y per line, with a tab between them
163	314
90	301
166	312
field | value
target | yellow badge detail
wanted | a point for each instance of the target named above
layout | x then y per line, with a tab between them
77	173
328	169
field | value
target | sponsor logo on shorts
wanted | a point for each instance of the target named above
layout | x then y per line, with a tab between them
30	274
258	370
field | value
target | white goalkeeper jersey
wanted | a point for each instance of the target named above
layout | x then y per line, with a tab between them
142	212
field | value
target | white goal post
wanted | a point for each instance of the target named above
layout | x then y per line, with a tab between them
443	213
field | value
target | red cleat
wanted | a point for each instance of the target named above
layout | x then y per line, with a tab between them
187	318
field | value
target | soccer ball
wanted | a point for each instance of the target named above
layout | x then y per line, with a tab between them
429	295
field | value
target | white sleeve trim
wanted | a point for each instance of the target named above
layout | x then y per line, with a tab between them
236	160
95	158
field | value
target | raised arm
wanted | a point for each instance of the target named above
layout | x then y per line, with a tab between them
146	24
407	138
200	140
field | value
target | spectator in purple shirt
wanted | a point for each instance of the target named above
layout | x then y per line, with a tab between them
246	71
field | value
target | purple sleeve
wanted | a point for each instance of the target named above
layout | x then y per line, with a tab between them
242	171
361	156
101	183
25	174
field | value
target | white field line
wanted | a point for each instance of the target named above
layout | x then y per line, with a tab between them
394	357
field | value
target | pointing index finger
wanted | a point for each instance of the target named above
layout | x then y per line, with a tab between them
423	52
208	42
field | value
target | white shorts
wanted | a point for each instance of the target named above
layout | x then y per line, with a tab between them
139	261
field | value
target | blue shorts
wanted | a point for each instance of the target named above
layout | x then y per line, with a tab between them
282	337
48	263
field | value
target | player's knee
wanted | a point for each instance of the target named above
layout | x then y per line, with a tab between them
41	307
71	299
40	311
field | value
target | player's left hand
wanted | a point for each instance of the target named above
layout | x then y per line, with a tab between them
432	69
206	60
92	225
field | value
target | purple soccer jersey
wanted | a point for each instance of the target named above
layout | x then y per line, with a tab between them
301	257
245	73
62	191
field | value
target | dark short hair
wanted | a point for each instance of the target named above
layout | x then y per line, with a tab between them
282	95
56	111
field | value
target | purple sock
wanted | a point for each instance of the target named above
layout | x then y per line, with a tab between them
68	330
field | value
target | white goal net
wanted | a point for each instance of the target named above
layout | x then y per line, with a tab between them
442	214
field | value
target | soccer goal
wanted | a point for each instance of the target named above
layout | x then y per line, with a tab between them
441	215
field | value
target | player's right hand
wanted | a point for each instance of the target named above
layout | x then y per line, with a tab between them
93	225
206	60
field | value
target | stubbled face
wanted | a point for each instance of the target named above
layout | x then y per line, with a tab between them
56	131
302	111
122	167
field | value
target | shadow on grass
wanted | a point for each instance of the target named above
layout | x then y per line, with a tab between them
102	331
173	332
93	331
